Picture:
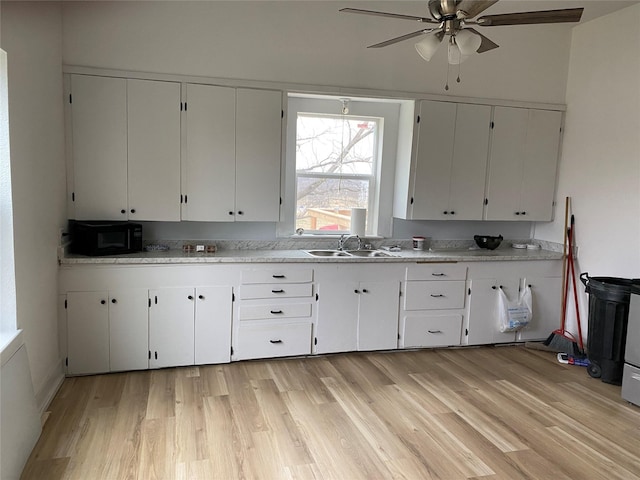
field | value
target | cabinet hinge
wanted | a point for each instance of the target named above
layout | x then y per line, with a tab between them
186	198
181	202
149	303
156	300
466	332
65	304
315	340
280	200
73	196
418	119
156	355
492	125
231	350
469	292
399	293
486	201
411	201
180	106
66	361
70	98
398	336
233	297
317	297
185	106
149	354
281	113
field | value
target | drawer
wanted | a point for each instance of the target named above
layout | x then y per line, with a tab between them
277	275
438	295
274	311
631	384
285	290
437	271
272	340
431	330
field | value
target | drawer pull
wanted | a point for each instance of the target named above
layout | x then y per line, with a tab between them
276	312
434	331
439	295
277	291
438	274
277	276
275	341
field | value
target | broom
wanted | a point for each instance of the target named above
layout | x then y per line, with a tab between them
561	340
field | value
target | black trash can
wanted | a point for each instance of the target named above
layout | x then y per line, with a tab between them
609	299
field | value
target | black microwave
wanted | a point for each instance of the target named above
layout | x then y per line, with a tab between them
97	238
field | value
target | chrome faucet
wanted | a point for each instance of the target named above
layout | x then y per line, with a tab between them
344	238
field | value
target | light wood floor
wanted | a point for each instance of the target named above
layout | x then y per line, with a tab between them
491	413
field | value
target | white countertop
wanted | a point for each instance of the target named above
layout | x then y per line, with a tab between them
300	256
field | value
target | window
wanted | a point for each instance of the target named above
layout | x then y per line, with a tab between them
336	165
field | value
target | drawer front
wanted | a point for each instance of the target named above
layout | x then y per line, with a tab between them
272	340
277	275
432	331
285	290
631	384
437	271
438	295
274	311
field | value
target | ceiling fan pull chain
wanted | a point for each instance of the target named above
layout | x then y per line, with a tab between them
458	79
446	87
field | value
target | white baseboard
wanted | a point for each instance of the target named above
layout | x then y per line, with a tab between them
50	387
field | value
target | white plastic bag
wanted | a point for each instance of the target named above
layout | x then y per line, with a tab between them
514	315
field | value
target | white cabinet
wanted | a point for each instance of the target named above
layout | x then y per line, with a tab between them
354	313
523	164
483	327
233	154
87	333
212	328
125	148
275	312
446	180
433	307
106	331
547	307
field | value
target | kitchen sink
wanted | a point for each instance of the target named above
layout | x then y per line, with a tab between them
348	253
327	253
369	253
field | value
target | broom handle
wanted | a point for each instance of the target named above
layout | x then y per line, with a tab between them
573	278
565	273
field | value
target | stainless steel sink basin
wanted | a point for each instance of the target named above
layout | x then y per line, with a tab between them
369	253
327	253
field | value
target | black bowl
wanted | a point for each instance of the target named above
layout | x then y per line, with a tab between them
487	241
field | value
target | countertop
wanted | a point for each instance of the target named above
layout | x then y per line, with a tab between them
300	256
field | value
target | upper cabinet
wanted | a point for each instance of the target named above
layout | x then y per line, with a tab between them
125	147
523	164
446	180
233	154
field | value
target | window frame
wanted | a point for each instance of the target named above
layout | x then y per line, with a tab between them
380	219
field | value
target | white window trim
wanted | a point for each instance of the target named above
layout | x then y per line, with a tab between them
380	220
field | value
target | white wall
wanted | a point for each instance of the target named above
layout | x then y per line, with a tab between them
600	164
310	42
31	36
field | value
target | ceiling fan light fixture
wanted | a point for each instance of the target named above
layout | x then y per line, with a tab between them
467	42
455	56
428	45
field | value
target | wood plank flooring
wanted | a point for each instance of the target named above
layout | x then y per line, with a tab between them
490	413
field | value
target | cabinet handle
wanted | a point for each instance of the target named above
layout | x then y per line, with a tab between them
524	213
276	312
190	297
277	291
102	302
275	341
123	211
278	276
517	213
445	212
133	210
434	331
201	297
113	300
230	213
452	212
437	296
438	275
240	212
495	288
356	291
364	290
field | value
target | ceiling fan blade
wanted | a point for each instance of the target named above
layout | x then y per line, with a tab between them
486	44
390	15
529	18
401	38
470	8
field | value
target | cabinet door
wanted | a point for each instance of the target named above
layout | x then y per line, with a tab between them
469	164
483	310
258	155
153	110
213	325
128	330
87	333
547	308
337	329
433	161
504	184
540	164
171	327
378	315
210	165
99	139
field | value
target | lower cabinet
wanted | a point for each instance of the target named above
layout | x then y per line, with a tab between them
431	329
264	339
87	332
212	324
128	330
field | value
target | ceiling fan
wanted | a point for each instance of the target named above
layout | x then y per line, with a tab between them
452	18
